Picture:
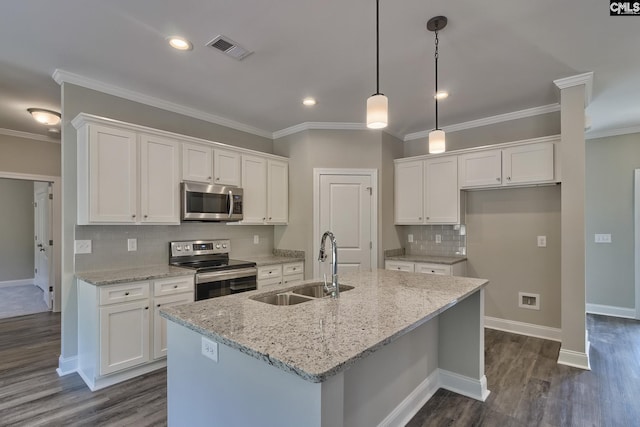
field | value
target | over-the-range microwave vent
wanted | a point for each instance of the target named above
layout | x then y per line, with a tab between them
227	46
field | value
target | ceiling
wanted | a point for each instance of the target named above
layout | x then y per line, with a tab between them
496	57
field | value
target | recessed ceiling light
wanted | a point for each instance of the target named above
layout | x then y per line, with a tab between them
180	43
46	117
441	95
309	102
54	130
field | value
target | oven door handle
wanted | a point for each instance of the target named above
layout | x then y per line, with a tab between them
225	275
242	287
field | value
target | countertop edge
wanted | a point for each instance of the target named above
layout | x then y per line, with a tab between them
97	278
434	259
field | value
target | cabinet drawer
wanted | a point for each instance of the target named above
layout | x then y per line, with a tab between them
442	269
292	268
399	266
124	293
269	282
270	271
173	285
293	279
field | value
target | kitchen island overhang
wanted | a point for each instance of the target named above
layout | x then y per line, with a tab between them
373	356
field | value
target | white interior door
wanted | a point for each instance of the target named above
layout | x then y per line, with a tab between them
42	227
345	208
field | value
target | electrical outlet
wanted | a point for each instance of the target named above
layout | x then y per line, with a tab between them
603	238
542	241
410	238
256	239
438	238
210	349
82	246
132	245
530	301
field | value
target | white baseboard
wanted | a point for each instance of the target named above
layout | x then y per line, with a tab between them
403	413
67	365
21	282
575	358
611	310
470	387
529	329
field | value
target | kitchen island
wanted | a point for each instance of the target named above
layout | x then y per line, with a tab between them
372	357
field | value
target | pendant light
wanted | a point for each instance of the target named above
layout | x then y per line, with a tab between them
436	136
377	104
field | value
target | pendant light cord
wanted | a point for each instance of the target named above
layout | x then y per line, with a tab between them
378	47
436	62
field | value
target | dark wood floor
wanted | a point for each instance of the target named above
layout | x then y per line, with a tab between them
527	387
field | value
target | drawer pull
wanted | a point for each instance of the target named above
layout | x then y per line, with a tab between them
126	294
158	305
175	286
146	308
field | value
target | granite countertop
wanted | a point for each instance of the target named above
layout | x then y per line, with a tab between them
320	338
435	259
112	277
262	260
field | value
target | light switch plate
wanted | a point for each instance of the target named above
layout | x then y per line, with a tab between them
603	238
438	238
410	238
82	246
132	245
210	349
256	239
542	241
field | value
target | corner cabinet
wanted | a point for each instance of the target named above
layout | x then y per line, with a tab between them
426	191
265	185
126	177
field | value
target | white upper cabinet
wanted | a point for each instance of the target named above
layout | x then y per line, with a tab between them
197	163
480	169
107	175
277	192
524	164
442	196
226	167
159	180
265	183
409	192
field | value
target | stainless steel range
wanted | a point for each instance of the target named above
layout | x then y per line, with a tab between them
216	274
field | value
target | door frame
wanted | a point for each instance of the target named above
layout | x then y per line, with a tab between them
317	173
636	226
55	267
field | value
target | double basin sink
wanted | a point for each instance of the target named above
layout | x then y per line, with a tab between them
308	292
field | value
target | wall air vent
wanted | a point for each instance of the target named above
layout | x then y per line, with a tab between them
227	46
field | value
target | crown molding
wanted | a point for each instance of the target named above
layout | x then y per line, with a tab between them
61	76
325	126
612	132
529	112
28	135
585	79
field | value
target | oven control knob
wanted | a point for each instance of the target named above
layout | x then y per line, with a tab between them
178	248
187	247
217	245
224	246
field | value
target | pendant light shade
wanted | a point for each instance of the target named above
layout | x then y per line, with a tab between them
377	111
377	104
437	143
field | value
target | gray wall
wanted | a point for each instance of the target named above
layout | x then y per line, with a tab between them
16	229
28	156
335	149
502	226
110	249
609	209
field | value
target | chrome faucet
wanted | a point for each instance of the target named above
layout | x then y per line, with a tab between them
322	257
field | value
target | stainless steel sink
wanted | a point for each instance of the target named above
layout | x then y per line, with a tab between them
316	290
282	299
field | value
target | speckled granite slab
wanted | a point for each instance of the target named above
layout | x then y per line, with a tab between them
435	259
319	338
262	260
112	277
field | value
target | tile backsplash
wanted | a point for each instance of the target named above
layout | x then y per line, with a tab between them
453	240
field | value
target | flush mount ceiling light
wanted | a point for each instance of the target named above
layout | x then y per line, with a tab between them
179	43
309	102
45	117
377	104
436	136
441	95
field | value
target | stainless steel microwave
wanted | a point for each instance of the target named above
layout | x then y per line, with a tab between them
203	202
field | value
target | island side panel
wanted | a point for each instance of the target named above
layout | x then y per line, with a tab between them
240	390
461	347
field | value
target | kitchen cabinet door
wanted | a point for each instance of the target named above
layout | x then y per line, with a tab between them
277	192
197	163
399	266
160	323
527	164
442	196
409	192
226	167
124	336
159	180
480	169
254	198
107	159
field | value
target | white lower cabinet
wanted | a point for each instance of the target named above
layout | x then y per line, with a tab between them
290	273
457	269
399	266
119	326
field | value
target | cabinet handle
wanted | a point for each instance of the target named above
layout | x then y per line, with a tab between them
427	217
158	305
146	308
398	268
133	215
209	178
295	268
420	218
175	286
498	179
218	179
269	218
264	218
126	294
508	178
146	216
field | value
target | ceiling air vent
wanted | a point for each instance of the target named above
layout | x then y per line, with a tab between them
227	46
